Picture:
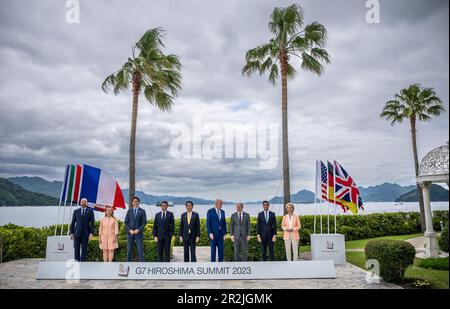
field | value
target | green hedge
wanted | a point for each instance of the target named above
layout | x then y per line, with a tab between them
22	242
434	263
443	239
95	254
394	257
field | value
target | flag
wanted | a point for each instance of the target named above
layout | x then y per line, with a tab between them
346	190
331	188
100	189
321	181
94	184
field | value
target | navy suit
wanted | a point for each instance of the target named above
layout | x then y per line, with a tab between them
135	221
163	228
189	232
266	229
217	227
82	225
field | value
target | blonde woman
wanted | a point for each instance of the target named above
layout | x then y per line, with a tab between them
291	225
108	231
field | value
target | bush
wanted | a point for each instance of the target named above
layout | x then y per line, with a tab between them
394	256
434	263
443	239
95	254
24	242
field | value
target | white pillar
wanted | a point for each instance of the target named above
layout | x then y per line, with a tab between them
432	249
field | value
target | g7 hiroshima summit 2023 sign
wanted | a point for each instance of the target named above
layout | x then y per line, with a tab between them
71	270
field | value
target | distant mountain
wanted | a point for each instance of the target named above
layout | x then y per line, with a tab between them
437	194
177	200
386	192
39	185
301	197
14	195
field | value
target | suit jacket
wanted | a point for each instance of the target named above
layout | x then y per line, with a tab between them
194	226
215	226
240	228
82	224
164	228
296	225
136	223
266	229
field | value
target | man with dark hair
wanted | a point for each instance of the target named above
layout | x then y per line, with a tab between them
189	232
267	231
163	229
135	222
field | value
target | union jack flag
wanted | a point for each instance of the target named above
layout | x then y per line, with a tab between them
346	188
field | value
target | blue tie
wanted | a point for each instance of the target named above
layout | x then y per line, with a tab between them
135	212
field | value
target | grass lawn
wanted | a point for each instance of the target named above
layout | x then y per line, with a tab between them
437	278
361	244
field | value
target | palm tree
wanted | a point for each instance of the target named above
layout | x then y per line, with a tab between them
291	38
156	75
414	103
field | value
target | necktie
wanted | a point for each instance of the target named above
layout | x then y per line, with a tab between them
218	214
189	218
164	216
240	218
135	212
82	212
267	217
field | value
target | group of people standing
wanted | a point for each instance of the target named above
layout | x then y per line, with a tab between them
83	223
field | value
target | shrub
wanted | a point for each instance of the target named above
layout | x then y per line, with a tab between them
95	254
394	256
443	240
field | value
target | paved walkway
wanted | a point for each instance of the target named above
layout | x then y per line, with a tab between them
21	274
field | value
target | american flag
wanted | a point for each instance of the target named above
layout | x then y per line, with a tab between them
324	181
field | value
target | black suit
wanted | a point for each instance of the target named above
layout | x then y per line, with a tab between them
83	224
163	228
266	229
189	232
136	219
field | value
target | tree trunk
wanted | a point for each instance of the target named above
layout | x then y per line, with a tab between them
284	113
132	158
416	167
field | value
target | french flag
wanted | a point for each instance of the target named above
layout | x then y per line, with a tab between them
97	186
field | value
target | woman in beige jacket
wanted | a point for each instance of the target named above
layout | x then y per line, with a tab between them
291	225
108	231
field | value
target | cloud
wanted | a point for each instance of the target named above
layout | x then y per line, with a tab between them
52	110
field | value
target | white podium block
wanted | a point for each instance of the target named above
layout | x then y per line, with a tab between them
328	247
59	249
72	270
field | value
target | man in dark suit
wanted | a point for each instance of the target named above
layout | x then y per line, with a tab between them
163	229
217	229
267	231
82	229
135	222
189	231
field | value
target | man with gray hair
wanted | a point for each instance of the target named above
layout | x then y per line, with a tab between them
240	233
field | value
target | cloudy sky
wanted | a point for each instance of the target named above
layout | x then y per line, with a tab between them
52	109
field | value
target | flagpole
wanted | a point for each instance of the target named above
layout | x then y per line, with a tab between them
334	195
328	203
315	198
65	204
60	199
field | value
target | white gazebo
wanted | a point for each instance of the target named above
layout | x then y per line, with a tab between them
433	169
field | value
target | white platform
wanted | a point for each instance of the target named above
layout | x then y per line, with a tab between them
59	249
328	247
72	270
